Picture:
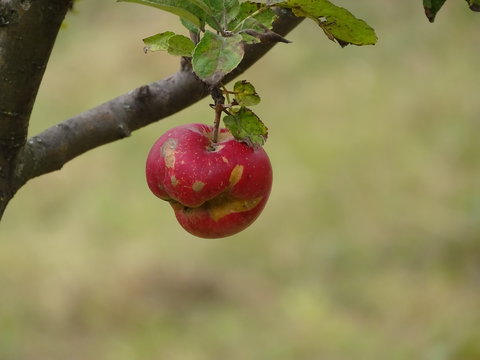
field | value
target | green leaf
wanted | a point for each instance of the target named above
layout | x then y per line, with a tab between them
337	22
186	9
200	4
168	41
245	93
215	56
254	16
224	11
249	39
157	42
246	126
474	5
180	45
190	26
431	8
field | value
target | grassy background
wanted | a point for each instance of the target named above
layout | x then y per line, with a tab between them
368	249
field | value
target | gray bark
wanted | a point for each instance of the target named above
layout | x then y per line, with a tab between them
27	33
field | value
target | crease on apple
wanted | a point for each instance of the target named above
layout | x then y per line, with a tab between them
224	203
219	207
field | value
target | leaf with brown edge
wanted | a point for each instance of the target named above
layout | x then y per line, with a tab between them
246	126
336	22
474	5
245	93
169	41
431	8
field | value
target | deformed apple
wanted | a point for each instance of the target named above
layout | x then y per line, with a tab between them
215	189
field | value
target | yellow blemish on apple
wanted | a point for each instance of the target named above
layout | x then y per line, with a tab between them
198	186
218	208
174	180
236	175
168	152
225	160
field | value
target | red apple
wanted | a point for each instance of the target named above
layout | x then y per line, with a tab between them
215	190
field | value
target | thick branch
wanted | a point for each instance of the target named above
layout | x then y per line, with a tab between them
27	33
117	118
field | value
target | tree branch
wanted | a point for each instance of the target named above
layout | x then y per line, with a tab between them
117	118
27	33
28	30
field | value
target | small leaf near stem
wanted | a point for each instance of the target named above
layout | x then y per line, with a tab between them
245	94
246	126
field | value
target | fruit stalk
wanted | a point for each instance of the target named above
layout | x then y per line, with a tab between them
219	106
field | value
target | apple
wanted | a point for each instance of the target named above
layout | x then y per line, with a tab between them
215	189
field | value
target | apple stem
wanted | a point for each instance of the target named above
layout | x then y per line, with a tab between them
219	107
216	125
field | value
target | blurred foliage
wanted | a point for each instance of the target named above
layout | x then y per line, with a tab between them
368	249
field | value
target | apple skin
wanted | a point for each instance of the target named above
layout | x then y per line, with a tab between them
215	190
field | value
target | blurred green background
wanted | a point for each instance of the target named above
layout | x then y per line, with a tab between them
368	249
